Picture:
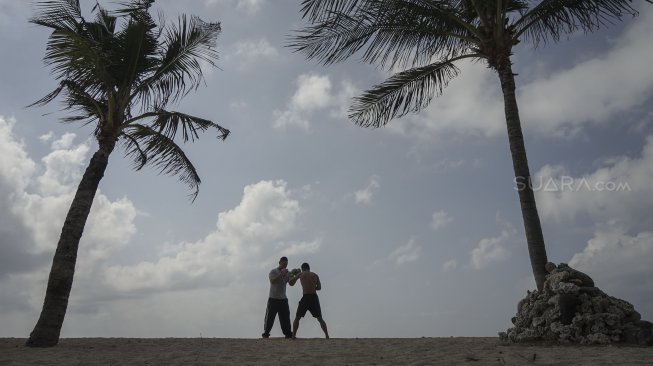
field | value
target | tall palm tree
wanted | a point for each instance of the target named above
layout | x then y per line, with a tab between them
426	39
119	72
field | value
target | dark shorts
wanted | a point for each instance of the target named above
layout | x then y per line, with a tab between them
309	302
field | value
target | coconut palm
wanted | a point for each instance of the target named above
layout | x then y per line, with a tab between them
119	72
426	39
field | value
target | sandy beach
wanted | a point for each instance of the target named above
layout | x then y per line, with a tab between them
277	351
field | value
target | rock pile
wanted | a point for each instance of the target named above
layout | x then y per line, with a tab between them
570	309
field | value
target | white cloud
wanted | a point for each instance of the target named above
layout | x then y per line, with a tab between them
288	118
64	142
238	105
110	223
35	206
250	51
561	196
597	89
41	202
449	265
110	226
16	168
64	167
313	93
249	6
296	249
491	250
47	137
440	219
244	236
365	195
16	171
620	264
613	250
406	253
265	211
342	99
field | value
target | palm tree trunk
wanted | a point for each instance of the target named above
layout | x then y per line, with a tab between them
47	329
534	237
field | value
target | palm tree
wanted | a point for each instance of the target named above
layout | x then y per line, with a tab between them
119	72
426	39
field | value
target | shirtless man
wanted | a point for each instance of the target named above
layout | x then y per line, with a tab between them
309	302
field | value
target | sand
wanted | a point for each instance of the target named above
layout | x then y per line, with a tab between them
277	351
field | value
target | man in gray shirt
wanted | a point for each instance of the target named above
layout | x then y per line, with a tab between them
277	301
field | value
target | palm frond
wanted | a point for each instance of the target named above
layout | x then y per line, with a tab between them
552	18
58	14
71	49
105	19
412	33
77	52
320	10
135	49
49	97
76	98
148	146
405	92
170	122
178	70
70	53
134	7
134	151
393	34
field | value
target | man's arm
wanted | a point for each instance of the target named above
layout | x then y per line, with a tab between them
318	284
277	278
294	279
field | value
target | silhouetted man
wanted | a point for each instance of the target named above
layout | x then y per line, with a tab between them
277	301
310	302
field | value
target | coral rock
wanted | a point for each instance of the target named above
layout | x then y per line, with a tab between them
570	309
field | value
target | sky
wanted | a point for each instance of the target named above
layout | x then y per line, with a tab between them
414	228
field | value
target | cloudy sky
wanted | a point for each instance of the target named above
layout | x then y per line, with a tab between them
414	229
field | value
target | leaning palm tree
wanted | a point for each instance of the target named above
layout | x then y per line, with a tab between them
426	39
119	72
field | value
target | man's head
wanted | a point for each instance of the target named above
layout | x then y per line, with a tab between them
283	262
306	267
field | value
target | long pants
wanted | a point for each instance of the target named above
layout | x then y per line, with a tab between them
279	306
